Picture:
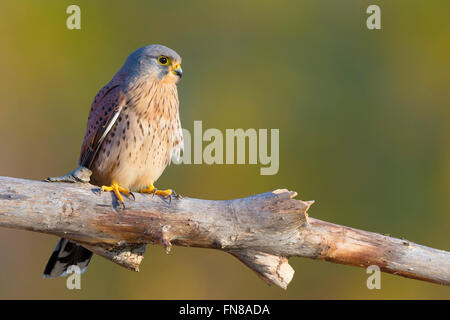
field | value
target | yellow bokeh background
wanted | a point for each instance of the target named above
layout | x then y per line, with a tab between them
363	117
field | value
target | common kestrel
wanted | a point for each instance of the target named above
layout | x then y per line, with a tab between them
133	132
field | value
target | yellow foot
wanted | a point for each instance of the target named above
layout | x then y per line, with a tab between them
169	193
118	190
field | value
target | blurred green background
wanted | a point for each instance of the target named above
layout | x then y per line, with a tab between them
363	118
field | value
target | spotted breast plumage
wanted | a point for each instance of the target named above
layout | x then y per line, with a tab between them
132	134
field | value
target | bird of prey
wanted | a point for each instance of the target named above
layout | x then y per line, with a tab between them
133	132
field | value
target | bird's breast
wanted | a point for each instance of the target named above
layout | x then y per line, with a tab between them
139	145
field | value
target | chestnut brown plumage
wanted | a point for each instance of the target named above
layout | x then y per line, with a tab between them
132	134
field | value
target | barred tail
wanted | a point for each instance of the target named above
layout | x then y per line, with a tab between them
66	254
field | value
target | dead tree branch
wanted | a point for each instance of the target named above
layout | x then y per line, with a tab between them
262	231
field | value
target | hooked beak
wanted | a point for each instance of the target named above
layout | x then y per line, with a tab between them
177	71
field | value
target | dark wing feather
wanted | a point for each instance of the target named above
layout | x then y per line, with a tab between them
104	113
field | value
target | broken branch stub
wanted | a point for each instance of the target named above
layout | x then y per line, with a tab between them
262	231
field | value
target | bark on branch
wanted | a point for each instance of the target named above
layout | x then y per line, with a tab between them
262	231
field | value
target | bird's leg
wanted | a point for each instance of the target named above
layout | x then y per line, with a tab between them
118	190
168	193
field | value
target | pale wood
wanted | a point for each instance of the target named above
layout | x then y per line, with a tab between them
262	231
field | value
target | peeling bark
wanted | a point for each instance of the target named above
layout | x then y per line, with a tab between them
262	231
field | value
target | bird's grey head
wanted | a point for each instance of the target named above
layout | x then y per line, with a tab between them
156	62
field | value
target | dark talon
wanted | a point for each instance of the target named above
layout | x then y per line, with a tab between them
176	195
154	191
173	195
132	194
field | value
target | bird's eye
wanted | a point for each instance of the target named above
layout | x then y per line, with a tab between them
163	60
